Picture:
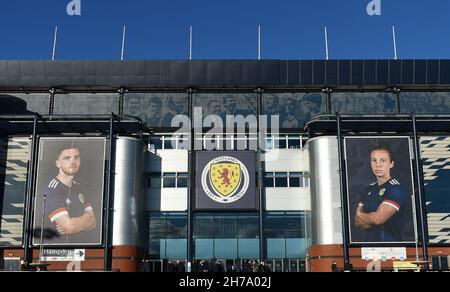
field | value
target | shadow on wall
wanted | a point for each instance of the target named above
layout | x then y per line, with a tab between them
12	105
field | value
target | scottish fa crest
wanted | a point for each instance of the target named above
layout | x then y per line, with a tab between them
225	179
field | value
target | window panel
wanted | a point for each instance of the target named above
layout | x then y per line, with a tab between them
223	104
281	180
203	226
225	248
156	109
169	180
294	109
86	103
276	248
425	102
24	104
362	103
182	180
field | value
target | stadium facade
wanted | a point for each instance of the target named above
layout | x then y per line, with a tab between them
283	189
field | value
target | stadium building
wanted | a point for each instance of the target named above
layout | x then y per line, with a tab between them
289	185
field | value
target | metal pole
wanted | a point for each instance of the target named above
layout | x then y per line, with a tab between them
326	44
123	43
262	246
422	211
191	194
342	176
54	43
259	42
109	195
28	251
190	42
395	42
41	243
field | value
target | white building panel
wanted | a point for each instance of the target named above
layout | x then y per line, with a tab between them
167	199
287	199
286	160
170	160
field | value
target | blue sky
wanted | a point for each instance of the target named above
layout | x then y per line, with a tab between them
226	29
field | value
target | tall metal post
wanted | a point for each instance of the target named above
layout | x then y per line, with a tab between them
191	194
419	198
52	101
109	200
121	98
260	171
28	235
342	185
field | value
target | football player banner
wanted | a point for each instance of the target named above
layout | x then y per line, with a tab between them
225	180
380	189
69	191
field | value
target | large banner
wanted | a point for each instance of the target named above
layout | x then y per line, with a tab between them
225	180
69	191
435	152
14	156
380	189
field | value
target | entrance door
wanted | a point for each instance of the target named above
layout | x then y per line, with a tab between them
277	265
293	266
156	266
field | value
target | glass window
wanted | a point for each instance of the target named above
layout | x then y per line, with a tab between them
294	182
14	155
281	143
274	225
24	104
425	102
169	180
176	226
225	248
295	248
248	248
86	103
203	226
248	226
169	143
154	181
157	225
281	180
176	249
269	143
204	249
294	143
276	248
269	180
155	143
167	234
293	226
157	249
294	109
156	109
362	102
182	180
225	226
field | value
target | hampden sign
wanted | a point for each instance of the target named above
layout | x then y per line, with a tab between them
74	8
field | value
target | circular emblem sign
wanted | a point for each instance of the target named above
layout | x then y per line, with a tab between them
225	179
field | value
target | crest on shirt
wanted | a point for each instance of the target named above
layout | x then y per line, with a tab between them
382	191
81	198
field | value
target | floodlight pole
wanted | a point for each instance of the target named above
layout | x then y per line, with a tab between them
54	43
